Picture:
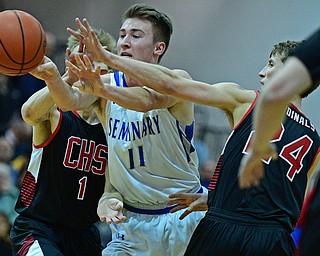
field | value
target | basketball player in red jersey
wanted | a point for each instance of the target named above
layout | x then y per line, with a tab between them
301	72
65	177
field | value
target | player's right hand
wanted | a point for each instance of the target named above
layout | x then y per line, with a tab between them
193	202
93	47
110	210
251	169
46	71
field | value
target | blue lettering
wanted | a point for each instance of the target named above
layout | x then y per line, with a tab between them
149	124
114	128
156	121
135	130
129	131
124	132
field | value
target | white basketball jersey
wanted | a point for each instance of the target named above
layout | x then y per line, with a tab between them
151	154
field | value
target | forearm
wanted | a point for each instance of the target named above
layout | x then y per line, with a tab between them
62	93
267	122
134	98
154	76
68	97
109	191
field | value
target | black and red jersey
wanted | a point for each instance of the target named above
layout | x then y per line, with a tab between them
65	177
280	195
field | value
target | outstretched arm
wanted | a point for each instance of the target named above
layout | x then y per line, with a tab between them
37	108
270	110
64	95
136	98
225	96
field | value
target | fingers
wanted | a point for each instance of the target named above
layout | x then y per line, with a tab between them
251	176
96	40
82	28
113	217
178	195
87	26
116	219
72	67
184	214
81	47
76	34
87	62
178	208
68	53
175	201
79	64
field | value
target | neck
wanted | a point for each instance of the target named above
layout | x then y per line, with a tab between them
89	116
297	100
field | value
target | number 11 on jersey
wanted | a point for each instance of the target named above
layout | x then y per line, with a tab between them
139	159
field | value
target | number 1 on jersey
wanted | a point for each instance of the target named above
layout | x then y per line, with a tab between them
82	188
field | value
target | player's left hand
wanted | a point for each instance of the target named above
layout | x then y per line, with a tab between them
111	211
251	167
71	77
90	80
193	202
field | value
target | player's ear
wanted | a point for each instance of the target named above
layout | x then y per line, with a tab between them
160	47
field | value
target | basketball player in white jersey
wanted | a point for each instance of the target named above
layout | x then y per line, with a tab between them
150	145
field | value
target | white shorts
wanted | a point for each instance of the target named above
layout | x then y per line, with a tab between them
152	235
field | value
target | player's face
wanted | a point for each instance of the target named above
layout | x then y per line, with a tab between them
136	40
274	65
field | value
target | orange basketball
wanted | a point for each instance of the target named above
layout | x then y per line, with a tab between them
22	42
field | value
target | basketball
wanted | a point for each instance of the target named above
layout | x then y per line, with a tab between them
22	42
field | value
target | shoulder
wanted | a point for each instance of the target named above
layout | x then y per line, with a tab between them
234	92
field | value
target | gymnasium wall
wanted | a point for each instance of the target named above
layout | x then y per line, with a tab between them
214	40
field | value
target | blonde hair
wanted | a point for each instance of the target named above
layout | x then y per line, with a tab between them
104	38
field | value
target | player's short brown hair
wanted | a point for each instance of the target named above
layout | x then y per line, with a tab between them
161	23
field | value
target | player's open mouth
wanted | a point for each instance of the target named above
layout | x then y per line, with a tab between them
126	55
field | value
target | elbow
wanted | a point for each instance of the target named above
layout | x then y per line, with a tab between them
144	107
27	113
166	83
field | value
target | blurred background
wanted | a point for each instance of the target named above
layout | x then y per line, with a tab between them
214	40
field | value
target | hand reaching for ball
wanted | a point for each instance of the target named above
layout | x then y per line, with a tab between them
46	71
